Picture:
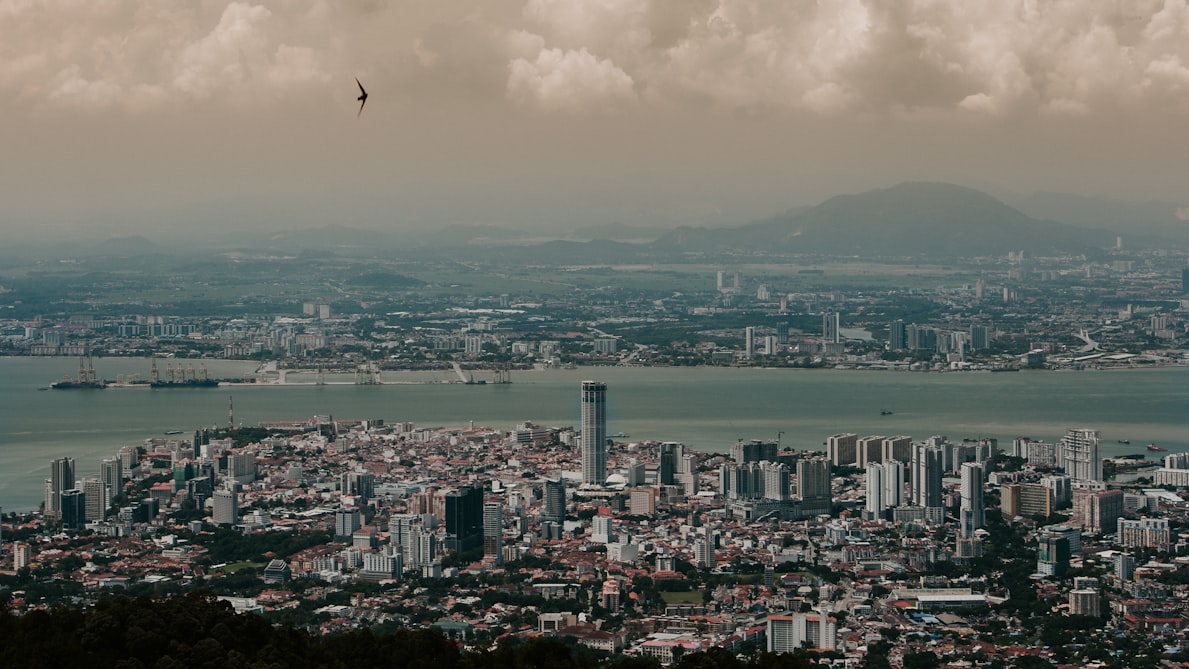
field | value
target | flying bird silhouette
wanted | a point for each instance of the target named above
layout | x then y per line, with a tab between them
362	97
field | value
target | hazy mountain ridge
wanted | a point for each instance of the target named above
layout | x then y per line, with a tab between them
914	218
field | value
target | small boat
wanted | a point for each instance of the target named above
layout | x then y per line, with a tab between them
1124	441
173	432
885	412
1154	447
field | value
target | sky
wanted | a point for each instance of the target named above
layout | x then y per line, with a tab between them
149	117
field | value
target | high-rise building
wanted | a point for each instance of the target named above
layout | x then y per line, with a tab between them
842	449
1124	567
970	511
241	467
1078	454
61	479
1052	557
226	505
464	518
1144	533
753	451
1026	499
1097	510
788	634
98	498
830	328
111	472
346	521
927	468
869	449
885	488
813	487
749	341
704	554
493	530
897	336
594	432
898	449
555	501
980	337
667	473
74	509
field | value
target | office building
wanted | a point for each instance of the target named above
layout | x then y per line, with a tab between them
667	473
97	497
970	510
74	510
464	518
1078	454
813	487
1052	555
555	501
1084	602
842	449
980	337
226	505
1124	567
241	467
897	336
493	531
927	469
594	432
111	472
749	341
831	333
61	479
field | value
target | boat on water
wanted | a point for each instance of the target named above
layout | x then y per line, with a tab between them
1154	447
75	384
885	412
1124	441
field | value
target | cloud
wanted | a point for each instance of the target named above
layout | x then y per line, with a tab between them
1003	58
569	81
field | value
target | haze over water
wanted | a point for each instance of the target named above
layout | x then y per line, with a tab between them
705	408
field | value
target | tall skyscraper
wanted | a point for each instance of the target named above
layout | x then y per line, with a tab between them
970	511
830	328
897	336
667	474
749	341
464	518
885	488
61	479
1078	454
493	530
594	432
111	472
927	467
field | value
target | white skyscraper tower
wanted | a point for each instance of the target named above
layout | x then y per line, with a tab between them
970	513
594	432
1078	454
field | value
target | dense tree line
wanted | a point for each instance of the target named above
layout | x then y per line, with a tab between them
197	630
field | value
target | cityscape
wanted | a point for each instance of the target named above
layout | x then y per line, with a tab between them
560	334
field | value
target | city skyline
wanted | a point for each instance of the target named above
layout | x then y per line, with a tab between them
135	118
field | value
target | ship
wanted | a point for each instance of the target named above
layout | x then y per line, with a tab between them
1154	447
885	412
1124	441
86	379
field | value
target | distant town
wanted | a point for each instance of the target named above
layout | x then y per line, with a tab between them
1123	309
883	551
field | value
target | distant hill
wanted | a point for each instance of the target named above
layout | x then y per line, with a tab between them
911	219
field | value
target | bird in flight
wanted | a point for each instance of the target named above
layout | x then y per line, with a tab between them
362	97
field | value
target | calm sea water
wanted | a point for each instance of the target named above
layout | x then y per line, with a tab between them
705	408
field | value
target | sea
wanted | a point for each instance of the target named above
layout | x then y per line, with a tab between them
706	408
